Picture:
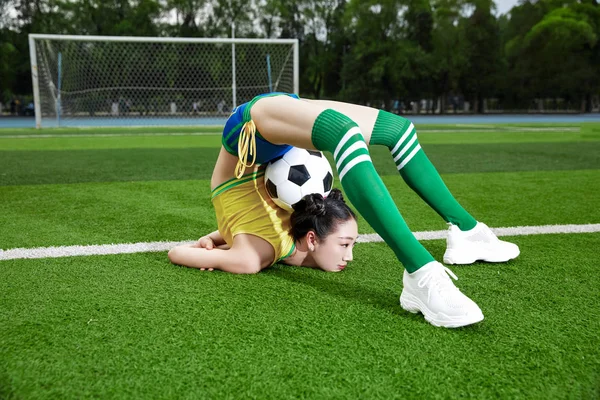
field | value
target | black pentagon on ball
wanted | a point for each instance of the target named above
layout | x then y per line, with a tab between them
315	153
328	182
298	174
271	189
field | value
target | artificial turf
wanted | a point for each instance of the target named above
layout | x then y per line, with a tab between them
122	212
24	167
135	326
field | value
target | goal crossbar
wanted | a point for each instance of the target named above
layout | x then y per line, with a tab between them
149	39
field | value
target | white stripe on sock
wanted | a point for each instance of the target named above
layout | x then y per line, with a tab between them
359	159
410	156
405	148
350	150
351	132
403	138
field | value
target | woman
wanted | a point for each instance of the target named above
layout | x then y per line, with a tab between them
267	127
320	233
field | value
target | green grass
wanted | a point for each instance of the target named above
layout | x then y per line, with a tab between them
111	131
135	326
185	137
20	167
99	213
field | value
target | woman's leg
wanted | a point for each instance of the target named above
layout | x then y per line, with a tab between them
248	255
400	136
365	117
284	120
468	240
427	286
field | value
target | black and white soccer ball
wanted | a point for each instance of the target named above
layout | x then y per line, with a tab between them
297	173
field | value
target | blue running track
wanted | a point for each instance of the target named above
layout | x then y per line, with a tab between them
23	122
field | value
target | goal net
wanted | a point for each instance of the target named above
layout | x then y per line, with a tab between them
126	81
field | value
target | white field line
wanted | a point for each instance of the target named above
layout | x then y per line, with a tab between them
499	129
512	129
127	248
89	135
516	127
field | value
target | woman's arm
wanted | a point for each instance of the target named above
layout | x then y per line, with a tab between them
217	239
195	256
209	260
250	256
211	241
189	256
212	252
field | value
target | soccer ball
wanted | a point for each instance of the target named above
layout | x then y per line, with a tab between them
298	172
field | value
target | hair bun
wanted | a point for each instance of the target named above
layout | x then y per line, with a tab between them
320	215
313	204
335	195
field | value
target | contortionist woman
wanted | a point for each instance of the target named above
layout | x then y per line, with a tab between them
267	127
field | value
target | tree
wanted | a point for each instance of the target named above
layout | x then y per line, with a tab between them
377	62
558	55
323	47
484	62
8	66
448	55
114	17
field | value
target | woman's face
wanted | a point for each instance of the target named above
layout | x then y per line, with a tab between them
333	253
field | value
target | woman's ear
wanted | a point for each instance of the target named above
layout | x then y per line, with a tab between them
311	240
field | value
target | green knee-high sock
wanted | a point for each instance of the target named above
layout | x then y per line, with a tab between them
400	136
338	134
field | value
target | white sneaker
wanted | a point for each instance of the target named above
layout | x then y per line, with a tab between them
479	243
431	291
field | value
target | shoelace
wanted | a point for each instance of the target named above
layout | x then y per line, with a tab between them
246	145
438	278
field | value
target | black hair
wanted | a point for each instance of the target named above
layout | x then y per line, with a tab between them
319	214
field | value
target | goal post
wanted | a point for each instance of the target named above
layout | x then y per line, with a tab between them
144	81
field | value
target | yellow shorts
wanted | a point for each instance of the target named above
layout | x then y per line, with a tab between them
244	206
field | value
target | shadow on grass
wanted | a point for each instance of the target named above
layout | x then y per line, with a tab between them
381	298
384	299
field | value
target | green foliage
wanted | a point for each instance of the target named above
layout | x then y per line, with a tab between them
365	51
8	58
483	58
561	30
554	49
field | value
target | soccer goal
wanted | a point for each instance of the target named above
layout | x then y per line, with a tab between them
128	81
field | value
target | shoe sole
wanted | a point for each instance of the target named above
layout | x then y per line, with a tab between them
452	257
413	305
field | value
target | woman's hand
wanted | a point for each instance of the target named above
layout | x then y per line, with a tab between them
205	242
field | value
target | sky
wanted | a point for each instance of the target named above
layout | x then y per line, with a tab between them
504	6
